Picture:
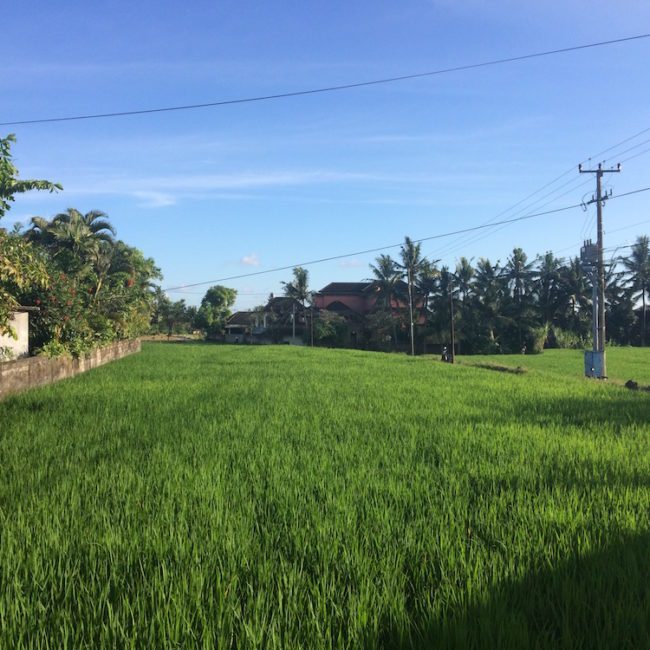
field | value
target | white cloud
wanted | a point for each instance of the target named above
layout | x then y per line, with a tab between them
350	264
154	199
250	260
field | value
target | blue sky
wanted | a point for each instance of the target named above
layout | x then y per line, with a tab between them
218	192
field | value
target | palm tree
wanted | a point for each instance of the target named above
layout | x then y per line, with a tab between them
488	289
547	286
463	282
298	289
74	236
387	275
637	265
425	284
82	233
518	273
619	303
445	291
411	265
575	297
518	276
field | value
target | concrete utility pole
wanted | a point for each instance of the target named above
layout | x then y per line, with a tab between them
411	313
452	358
589	263
601	367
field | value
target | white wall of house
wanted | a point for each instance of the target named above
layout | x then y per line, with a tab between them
19	347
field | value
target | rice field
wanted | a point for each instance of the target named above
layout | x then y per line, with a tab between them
276	497
622	363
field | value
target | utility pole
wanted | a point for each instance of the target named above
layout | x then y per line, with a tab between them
589	263
451	318
411	313
599	200
311	323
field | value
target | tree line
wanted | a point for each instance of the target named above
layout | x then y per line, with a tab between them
88	287
521	305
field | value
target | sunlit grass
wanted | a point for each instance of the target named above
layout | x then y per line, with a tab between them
279	497
623	363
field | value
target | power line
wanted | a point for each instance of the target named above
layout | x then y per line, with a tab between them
464	241
382	248
327	89
636	155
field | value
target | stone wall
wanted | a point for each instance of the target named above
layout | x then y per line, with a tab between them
19	375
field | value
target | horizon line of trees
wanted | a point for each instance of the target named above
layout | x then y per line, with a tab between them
520	305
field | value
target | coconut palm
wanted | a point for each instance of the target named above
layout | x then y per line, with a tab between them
412	264
637	266
548	286
298	289
575	297
387	275
518	274
488	290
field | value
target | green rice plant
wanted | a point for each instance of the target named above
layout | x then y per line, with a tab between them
273	497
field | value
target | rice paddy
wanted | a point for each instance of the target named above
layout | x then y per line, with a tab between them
276	497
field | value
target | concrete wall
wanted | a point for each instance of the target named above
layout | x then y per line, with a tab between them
16	376
18	347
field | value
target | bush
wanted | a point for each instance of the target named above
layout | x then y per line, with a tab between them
565	339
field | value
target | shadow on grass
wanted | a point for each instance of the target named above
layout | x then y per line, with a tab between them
598	601
601	410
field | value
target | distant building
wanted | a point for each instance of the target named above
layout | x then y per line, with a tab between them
284	320
281	321
347	298
239	327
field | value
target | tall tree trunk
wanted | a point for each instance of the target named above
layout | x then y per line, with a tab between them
643	335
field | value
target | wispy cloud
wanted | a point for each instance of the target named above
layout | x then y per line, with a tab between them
350	264
154	199
250	260
468	135
162	191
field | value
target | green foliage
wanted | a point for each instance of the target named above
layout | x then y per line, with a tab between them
53	349
62	317
565	339
10	185
203	496
6	353
215	310
90	288
99	289
298	288
171	317
21	269
330	328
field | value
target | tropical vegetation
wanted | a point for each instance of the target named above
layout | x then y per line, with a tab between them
523	304
88	287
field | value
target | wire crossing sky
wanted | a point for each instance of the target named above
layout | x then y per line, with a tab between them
267	179
391	246
328	89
